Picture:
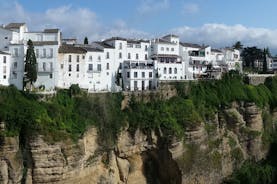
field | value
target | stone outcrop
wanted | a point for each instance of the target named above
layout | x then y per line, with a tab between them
11	163
206	154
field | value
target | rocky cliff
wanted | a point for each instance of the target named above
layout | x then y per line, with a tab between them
205	154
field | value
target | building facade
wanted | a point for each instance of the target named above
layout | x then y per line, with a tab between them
111	65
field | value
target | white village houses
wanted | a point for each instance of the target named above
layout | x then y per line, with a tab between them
111	65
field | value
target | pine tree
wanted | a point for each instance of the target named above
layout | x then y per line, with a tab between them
30	65
86	41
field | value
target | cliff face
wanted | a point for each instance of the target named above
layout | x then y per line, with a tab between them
206	154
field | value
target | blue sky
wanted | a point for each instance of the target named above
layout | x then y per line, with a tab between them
215	22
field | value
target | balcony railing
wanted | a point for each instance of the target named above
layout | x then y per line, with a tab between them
93	71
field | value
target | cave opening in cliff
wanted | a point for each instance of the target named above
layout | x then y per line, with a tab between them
160	168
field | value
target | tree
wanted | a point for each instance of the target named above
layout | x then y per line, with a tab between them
86	41
250	55
238	45
30	75
265	54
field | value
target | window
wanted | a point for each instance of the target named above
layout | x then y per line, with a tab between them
90	67
120	55
129	45
4	76
4	59
44	66
15	65
167	49
84	56
146	48
16	52
99	58
99	67
51	53
78	59
135	74
61	66
6	38
69	68
170	71
162	49
165	70
14	75
138	46
135	85
51	66
120	45
137	56
143	74
37	53
150	74
129	55
69	58
77	68
172	49
44	53
51	76
145	57
4	69
108	66
107	55
90	58
175	70
128	74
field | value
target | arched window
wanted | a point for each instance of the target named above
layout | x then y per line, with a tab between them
170	70
175	70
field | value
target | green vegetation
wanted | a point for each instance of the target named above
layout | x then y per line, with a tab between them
70	112
252	173
61	116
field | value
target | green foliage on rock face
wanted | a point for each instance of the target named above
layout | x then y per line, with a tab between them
252	173
61	116
173	115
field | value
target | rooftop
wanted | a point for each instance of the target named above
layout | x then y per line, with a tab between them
70	49
115	38
193	45
4	53
51	30
104	45
14	25
40	43
160	40
171	35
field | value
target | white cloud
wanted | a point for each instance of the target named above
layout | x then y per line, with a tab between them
221	35
74	22
190	8
152	6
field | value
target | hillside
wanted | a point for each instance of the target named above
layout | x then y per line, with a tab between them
185	133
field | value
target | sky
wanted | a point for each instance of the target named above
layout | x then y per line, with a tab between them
217	23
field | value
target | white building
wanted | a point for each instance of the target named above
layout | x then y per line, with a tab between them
139	75
198	57
5	59
106	65
90	67
46	44
165	51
